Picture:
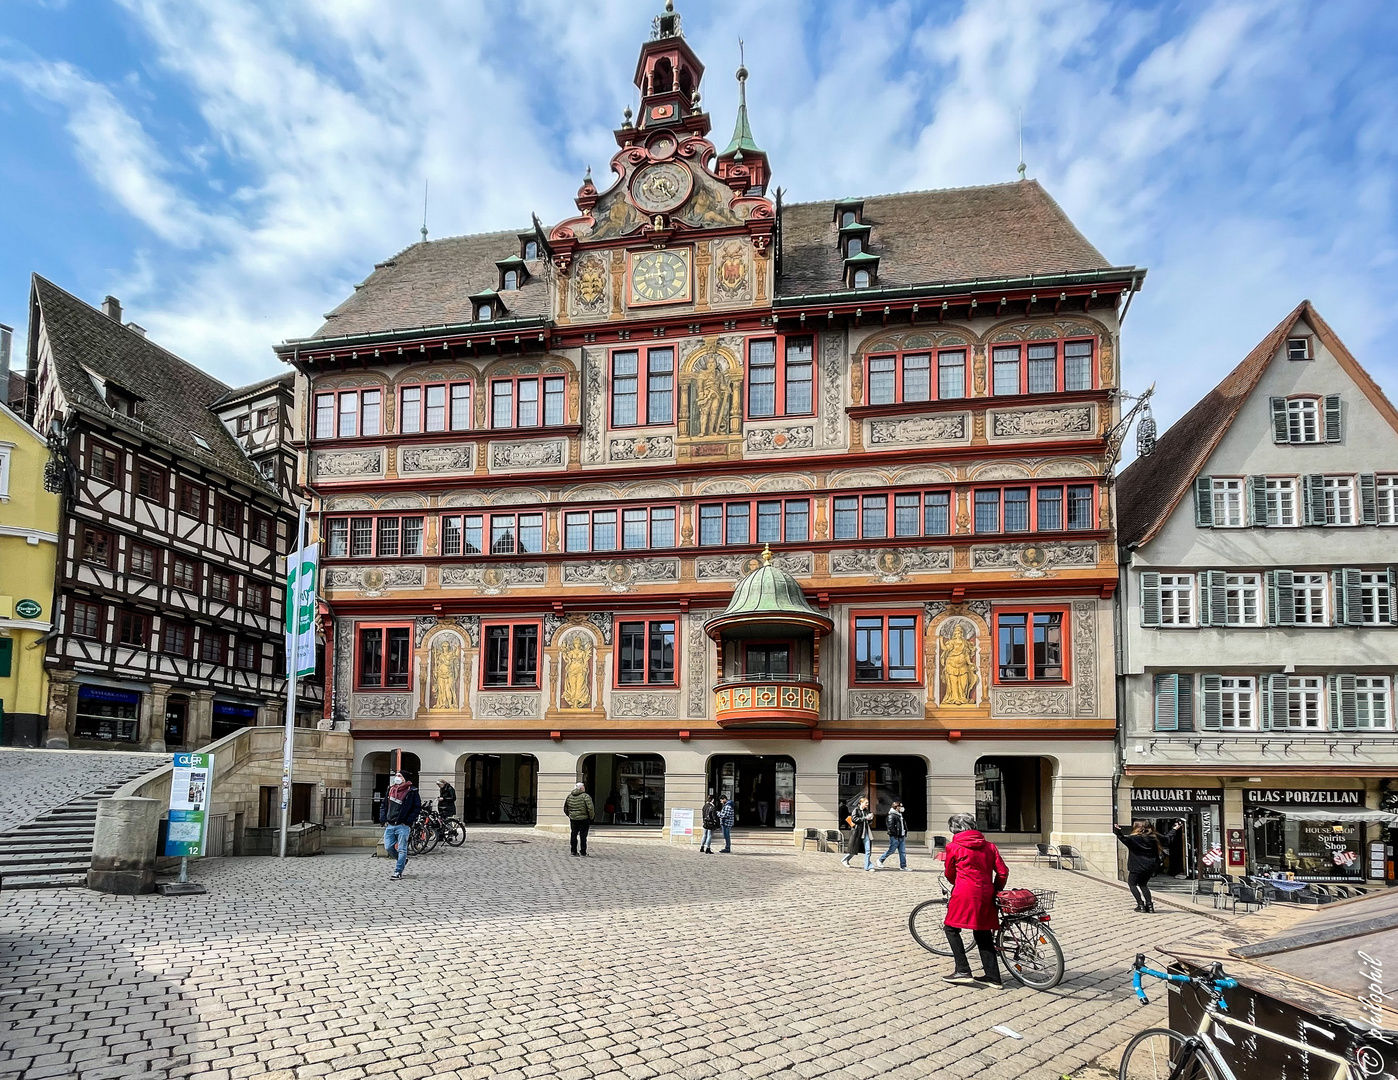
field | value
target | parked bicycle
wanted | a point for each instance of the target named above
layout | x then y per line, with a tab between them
1025	944
1166	1054
431	828
512	811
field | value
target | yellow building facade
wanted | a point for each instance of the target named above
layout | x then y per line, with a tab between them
28	554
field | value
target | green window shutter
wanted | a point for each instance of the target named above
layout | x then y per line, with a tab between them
1349	604
1281	705
1281	597
1281	431
1257	500
1313	486
1393	596
1167	716
1184	688
1344	703
1150	598
1368	500
1333	427
1204	502
1211	690
7	649
1218	597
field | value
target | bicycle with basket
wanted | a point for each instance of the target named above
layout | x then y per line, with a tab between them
1027	948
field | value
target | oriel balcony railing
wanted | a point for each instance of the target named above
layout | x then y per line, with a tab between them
767	699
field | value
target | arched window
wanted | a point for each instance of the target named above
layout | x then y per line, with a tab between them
855	246
511	280
484	313
861	279
531	250
662	77
847	218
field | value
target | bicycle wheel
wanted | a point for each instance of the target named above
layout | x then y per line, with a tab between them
926	922
455	833
493	815
1031	952
417	841
1152	1055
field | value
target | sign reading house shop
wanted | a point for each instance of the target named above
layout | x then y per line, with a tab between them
1173	800
1303	797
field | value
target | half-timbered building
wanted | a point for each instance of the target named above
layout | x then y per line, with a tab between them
168	623
548	467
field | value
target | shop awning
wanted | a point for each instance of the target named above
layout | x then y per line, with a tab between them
1321	813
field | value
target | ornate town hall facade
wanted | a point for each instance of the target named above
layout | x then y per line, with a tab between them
547	466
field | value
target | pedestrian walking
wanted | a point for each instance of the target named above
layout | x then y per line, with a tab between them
976	873
400	809
897	826
861	820
709	816
1146	849
726	817
446	799
578	806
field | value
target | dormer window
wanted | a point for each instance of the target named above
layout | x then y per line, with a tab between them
848	218
203	442
513	275
862	280
861	270
1298	348
853	246
510	280
484	313
120	401
486	305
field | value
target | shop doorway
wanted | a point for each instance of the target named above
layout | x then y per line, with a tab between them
884	780
176	719
1197	849
1009	793
627	789
762	786
383	764
499	789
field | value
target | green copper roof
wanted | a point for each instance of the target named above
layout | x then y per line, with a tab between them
742	130
769	595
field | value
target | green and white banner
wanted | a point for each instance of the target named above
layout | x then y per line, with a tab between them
301	569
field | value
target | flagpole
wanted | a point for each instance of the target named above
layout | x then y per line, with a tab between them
293	660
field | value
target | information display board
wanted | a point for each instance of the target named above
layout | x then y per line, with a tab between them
191	791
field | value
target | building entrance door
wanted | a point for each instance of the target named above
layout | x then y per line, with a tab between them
176	717
763	789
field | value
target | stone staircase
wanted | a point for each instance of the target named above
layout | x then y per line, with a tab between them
54	850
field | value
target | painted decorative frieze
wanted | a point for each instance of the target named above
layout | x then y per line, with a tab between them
890	564
435	459
1030	702
534	454
1085	657
594	404
621	575
884	703
948	427
636	706
1060	421
1032	560
494	579
381	706
643	448
832	363
759	440
732	567
507	706
374	580
696	705
344	464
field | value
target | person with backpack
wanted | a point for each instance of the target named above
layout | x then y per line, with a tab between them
861	820
897	826
977	874
400	809
726	817
1146	849
709	816
578	806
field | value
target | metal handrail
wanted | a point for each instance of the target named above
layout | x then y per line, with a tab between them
767	677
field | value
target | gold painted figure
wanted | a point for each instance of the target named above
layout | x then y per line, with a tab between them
959	676
576	658
711	396
446	674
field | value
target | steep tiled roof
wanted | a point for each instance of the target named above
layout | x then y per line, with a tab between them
923	237
1150	488
287	379
175	395
431	283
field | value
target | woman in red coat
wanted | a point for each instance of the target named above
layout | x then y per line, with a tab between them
976	873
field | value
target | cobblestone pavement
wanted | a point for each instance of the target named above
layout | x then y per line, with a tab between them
511	960
33	781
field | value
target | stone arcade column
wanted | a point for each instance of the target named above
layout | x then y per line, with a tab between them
63	707
151	732
200	719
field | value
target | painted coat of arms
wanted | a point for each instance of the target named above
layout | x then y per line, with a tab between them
731	270
591	283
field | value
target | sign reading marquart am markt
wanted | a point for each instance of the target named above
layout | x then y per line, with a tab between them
191	790
29	609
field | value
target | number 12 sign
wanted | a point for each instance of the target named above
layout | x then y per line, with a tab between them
191	791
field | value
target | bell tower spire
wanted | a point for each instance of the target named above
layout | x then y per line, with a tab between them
668	75
743	164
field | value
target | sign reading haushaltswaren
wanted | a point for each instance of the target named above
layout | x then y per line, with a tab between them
191	790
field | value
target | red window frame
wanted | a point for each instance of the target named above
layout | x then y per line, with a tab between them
646	621
159	481
132	624
168	629
513	625
515	380
781	377
742	652
884	615
108	540
644	377
1094	380
99	615
449	412
334	397
1062	484
1065	640
176	562
376	536
891	512
620	526
934	355
215	642
779	497
132	549
97	450
189	494
382	628
229	513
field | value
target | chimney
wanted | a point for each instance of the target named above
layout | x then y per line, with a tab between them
136	328
111	307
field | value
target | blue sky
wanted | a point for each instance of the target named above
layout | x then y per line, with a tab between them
231	168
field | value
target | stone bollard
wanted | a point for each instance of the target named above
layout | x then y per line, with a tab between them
123	848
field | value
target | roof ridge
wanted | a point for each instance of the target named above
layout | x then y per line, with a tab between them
922	191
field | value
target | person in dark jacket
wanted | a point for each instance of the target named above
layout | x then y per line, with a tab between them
578	806
1146	849
976	873
446	799
400	809
861	820
709	816
897	826
727	815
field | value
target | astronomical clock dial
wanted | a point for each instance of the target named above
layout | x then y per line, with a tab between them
659	277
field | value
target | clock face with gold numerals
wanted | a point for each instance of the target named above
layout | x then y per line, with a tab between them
658	277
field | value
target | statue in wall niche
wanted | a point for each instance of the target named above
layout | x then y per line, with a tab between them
959	675
446	674
713	393
576	662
